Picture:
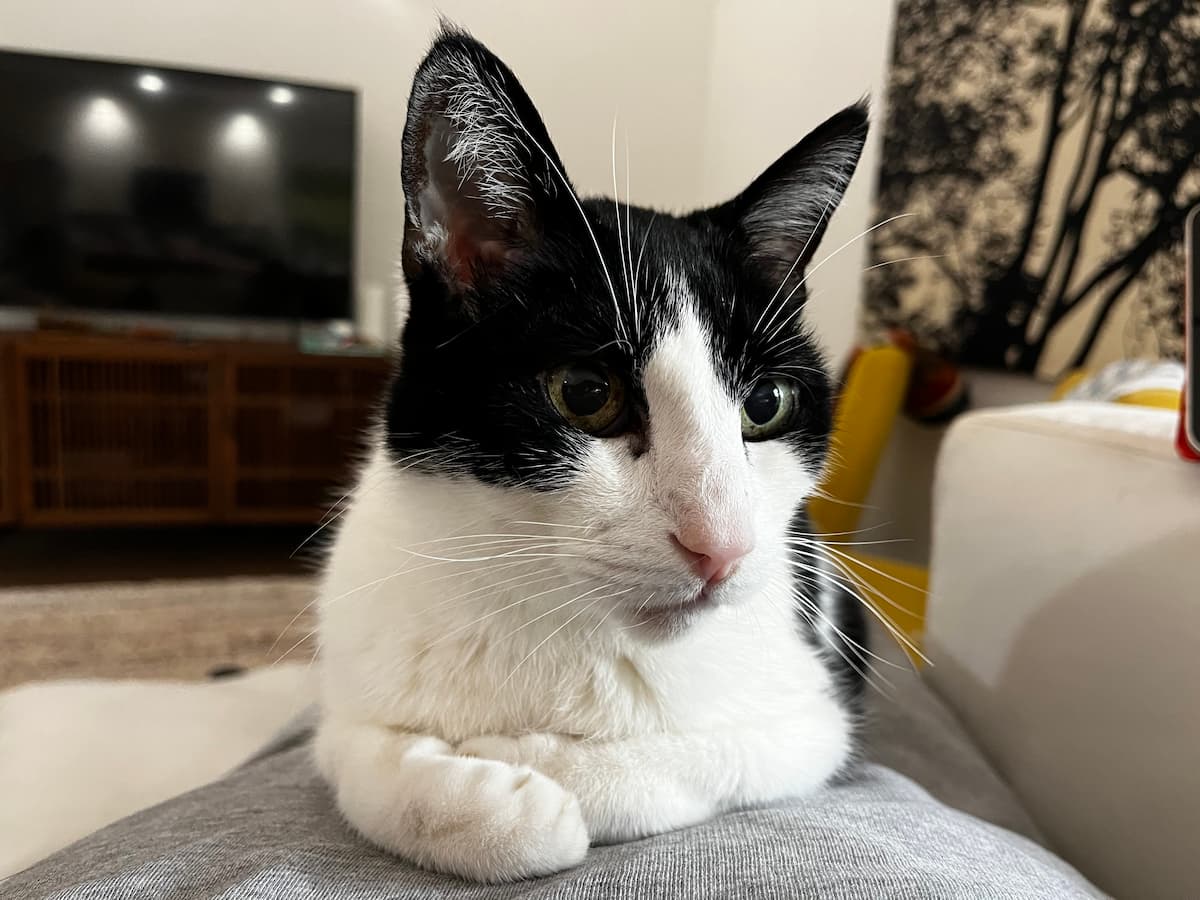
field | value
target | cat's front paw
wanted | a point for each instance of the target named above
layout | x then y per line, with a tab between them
503	823
533	750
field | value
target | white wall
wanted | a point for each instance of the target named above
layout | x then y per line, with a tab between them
586	62
779	68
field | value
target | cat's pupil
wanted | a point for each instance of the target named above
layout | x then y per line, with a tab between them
585	390
763	403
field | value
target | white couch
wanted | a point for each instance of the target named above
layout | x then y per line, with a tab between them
1064	628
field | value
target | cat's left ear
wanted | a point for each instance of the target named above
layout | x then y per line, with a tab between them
783	214
481	177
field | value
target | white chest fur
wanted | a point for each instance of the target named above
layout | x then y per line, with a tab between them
494	643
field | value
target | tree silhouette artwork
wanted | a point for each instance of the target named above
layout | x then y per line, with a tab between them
1044	155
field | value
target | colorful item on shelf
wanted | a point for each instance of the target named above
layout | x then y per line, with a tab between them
1138	382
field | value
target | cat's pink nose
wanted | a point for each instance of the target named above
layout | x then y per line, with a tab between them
710	557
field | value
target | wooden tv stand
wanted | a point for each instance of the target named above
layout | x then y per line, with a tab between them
123	431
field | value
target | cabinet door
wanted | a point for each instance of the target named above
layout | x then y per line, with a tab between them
8	437
297	428
114	437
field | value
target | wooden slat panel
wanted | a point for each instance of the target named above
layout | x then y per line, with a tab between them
8	436
221	448
297	424
121	431
116	437
58	518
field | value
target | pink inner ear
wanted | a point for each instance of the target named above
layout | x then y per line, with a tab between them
470	256
475	242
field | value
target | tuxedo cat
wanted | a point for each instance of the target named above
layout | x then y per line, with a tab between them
574	597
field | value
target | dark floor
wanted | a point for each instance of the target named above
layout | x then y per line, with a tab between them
41	557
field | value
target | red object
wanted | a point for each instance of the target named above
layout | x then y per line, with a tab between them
1185	447
936	390
1191	339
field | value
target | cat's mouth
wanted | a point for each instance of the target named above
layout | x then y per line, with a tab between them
670	619
659	604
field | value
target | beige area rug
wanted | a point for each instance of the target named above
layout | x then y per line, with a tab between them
113	712
154	629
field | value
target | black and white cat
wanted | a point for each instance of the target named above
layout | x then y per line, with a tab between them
574	597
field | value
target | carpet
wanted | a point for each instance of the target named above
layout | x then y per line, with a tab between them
154	629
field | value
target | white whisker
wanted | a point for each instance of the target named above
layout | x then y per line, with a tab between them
850	578
816	268
799	256
495	612
864	668
603	619
799	541
637	321
525	579
617	216
637	272
892	262
569	620
851	583
551	612
551	524
288	652
514	120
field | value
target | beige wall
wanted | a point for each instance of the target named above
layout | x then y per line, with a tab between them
779	68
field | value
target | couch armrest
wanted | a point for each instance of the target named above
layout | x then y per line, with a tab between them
1064	628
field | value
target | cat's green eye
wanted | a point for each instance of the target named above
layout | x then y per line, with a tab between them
588	395
769	410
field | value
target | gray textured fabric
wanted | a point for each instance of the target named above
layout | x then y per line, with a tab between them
269	830
909	729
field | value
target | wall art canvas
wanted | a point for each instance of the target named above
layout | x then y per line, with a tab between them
1041	156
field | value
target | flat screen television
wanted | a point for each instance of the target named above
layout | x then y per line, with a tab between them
150	190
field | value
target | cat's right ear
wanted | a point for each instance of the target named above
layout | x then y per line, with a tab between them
480	174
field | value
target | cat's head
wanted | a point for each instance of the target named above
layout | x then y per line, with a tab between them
640	378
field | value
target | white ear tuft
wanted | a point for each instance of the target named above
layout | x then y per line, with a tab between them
479	169
484	142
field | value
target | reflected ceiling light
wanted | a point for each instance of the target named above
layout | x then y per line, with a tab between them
281	95
105	122
244	135
151	83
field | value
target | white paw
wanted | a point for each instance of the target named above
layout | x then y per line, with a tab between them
533	750
491	821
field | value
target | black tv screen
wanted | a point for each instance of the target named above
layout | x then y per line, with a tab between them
154	190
